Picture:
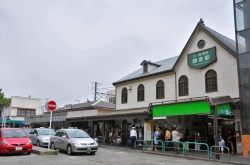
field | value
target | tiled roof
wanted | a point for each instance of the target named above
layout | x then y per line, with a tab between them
165	65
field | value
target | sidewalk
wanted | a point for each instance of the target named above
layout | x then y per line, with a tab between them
234	159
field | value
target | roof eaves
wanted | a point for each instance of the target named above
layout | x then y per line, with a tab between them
141	77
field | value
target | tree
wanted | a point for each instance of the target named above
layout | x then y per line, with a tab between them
3	100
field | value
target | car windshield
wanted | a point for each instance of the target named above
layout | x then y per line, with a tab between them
77	134
14	134
46	132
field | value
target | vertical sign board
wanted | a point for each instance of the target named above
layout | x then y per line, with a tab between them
50	106
202	58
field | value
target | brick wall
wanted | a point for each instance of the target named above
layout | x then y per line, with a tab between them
245	144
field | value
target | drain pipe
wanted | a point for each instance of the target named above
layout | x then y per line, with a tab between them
175	87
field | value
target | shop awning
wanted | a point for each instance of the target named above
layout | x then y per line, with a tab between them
13	121
185	108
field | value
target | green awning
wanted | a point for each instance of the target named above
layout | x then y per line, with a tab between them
224	109
187	108
13	121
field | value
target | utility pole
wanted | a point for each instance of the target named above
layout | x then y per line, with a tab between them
95	89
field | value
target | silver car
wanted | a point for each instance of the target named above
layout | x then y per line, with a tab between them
73	140
41	136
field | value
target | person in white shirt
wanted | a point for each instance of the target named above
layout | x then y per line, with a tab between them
133	137
175	139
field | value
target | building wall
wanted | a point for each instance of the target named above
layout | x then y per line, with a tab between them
150	91
225	66
22	102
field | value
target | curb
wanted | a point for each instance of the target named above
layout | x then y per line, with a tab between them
171	155
44	152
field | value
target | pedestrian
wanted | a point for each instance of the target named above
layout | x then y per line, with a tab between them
156	136
196	140
187	139
167	137
231	140
181	138
133	137
175	138
221	141
111	135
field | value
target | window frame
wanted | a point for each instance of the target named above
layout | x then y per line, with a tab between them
141	93
124	96
184	85
145	68
211	79
23	112
157	90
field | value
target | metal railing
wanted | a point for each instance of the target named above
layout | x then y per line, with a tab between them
143	144
152	144
217	153
197	143
175	148
249	156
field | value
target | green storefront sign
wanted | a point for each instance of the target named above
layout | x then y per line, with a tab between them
224	109
202	59
187	108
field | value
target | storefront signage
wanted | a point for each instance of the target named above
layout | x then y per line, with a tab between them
202	58
224	110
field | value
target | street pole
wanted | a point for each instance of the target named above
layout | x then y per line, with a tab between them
50	128
95	90
217	156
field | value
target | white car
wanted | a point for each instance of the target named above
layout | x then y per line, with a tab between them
41	136
73	140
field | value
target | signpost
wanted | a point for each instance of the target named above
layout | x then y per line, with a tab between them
50	106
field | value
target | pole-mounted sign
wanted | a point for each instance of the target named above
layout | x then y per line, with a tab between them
50	106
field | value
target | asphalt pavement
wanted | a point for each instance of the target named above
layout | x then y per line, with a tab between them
105	156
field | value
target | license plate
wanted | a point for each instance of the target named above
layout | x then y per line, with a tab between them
19	148
88	148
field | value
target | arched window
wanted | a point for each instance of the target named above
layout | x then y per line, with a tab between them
140	93
124	95
211	81
160	90
183	86
145	68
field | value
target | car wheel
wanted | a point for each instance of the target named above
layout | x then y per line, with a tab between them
52	146
38	144
28	153
92	153
69	150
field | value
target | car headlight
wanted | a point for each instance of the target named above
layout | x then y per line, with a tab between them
96	142
29	142
5	143
76	143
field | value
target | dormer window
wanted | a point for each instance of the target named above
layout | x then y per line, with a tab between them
145	68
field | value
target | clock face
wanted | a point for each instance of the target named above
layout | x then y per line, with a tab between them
201	44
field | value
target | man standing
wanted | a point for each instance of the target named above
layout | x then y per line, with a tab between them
167	137
175	141
196	140
133	137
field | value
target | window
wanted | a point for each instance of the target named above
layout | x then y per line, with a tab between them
140	93
25	112
160	90
211	81
124	95
145	68
183	86
58	133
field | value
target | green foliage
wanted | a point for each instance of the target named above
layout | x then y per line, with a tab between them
3	100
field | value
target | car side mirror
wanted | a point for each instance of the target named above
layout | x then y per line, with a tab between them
35	134
64	136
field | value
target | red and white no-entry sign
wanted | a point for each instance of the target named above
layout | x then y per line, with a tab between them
50	105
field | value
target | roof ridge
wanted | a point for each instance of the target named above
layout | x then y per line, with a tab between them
220	33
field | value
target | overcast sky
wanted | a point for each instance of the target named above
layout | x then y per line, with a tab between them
56	48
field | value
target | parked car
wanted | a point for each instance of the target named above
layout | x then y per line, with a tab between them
14	140
73	140
41	136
